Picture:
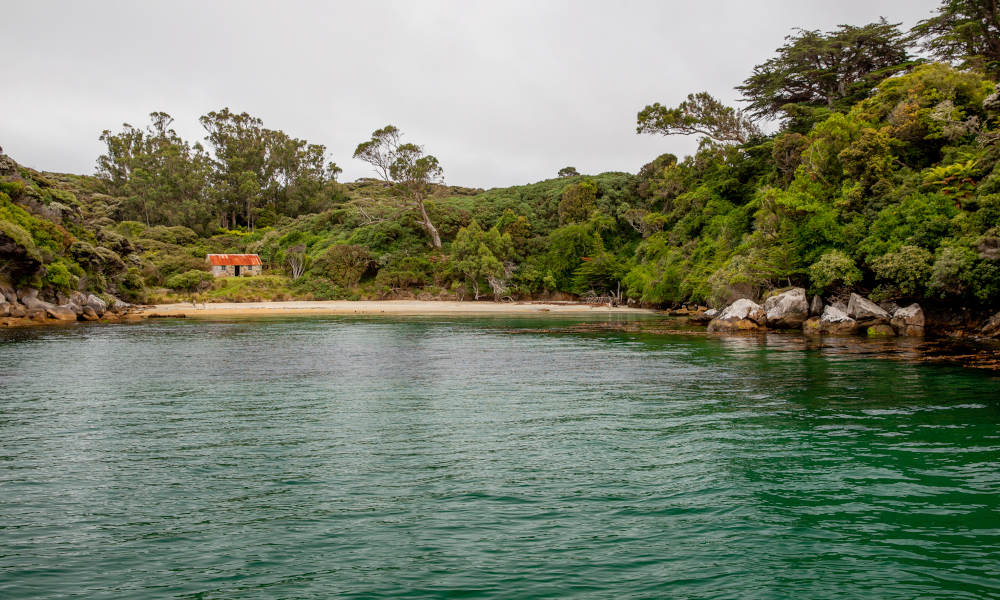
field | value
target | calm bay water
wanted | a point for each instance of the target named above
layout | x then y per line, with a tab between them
452	458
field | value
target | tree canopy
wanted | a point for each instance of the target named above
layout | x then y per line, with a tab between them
827	71
699	114
160	176
253	173
407	167
964	32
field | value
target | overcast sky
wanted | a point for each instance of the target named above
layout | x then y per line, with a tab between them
503	93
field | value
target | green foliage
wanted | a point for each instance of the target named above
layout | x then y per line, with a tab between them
13	189
343	264
170	235
578	201
411	172
964	31
566	248
478	259
405	272
59	276
130	229
951	273
255	171
700	114
907	269
132	284
602	274
188	280
814	71
872	179
832	269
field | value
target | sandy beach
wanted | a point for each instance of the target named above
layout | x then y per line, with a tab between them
370	307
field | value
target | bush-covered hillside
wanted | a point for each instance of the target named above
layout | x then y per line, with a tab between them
882	177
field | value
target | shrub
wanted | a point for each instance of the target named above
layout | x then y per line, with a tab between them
12	188
343	264
578	201
602	273
131	284
951	269
188	280
321	289
907	268
833	268
407	271
171	235
985	282
130	229
59	276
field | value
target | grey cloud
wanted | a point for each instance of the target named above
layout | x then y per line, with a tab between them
502	93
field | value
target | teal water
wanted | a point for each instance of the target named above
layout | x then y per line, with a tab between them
452	458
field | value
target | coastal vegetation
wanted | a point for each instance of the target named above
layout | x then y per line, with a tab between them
877	172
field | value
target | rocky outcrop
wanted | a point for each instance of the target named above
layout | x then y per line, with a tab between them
119	306
816	307
908	321
61	313
24	307
96	304
742	315
881	330
35	314
8	293
787	310
698	317
704	315
833	321
29	298
866	312
991	328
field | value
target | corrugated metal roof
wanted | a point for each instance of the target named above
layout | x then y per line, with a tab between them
233	259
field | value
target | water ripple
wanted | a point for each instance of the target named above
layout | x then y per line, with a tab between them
445	458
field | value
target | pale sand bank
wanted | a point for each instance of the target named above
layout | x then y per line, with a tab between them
369	307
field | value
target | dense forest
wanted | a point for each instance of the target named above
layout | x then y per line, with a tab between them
865	158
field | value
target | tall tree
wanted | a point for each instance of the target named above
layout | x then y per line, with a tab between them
161	177
832	70
256	167
699	114
965	32
405	166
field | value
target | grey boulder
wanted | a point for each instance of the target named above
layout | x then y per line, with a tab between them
866	312
96	304
742	315
833	321
787	310
908	321
816	308
61	313
29	298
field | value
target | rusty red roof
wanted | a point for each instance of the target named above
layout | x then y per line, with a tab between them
233	259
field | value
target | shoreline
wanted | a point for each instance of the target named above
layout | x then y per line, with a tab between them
379	307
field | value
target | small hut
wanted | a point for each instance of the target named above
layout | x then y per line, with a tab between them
235	265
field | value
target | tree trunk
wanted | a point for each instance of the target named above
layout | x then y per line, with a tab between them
435	237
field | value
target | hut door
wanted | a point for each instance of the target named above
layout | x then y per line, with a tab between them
236	270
